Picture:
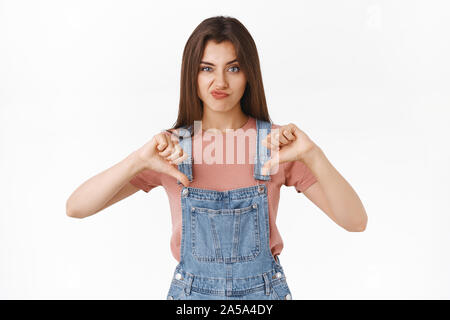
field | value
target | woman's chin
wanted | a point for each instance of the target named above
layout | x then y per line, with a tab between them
219	106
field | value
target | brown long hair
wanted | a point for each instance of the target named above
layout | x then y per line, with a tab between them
220	28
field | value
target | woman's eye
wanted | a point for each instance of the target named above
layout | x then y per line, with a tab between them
203	68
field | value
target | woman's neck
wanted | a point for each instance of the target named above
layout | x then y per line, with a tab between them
223	121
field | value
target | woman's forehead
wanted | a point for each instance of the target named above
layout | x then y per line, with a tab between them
217	53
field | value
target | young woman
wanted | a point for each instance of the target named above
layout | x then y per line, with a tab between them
223	191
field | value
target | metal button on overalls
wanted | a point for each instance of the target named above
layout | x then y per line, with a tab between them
277	275
225	251
261	189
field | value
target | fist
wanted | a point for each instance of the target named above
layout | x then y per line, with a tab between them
287	143
163	153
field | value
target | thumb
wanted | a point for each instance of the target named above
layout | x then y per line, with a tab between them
268	165
177	174
274	161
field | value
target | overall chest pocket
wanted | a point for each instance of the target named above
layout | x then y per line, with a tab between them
226	235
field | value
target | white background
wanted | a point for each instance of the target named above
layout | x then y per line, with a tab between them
85	83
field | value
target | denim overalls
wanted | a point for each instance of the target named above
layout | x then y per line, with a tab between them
225	251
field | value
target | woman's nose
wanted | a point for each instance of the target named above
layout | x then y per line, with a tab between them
220	81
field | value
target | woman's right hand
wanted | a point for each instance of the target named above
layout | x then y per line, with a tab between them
163	153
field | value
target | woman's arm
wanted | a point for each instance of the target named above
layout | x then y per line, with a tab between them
105	188
333	194
161	154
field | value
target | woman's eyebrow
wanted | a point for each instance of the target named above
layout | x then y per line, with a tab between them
212	64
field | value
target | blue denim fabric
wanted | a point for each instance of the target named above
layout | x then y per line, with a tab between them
225	253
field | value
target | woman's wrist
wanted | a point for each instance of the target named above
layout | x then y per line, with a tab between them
311	155
135	162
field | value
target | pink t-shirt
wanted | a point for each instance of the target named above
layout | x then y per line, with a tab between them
225	176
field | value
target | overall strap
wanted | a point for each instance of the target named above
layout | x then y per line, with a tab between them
185	142
262	153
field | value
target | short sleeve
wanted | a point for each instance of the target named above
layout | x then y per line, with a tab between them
146	180
298	174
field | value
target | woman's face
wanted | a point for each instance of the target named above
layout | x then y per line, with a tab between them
219	70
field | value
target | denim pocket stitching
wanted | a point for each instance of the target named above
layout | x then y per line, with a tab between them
214	233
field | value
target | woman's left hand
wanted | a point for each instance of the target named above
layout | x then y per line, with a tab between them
287	143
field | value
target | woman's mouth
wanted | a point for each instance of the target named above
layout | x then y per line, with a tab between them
219	95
